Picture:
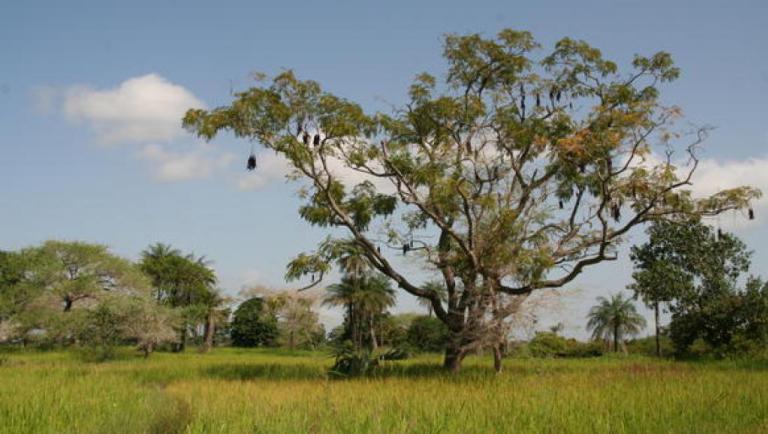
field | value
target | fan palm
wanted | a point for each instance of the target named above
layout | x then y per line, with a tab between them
364	298
437	288
614	319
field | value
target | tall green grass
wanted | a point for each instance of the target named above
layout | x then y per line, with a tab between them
233	391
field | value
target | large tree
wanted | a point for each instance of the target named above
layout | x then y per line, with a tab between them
514	174
54	286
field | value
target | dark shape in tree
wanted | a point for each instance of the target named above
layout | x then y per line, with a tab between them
252	326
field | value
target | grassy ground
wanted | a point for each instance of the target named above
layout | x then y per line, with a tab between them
233	391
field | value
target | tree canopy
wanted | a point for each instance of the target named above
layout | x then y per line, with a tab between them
701	274
514	172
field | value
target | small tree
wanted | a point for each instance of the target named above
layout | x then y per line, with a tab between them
364	298
514	175
657	277
699	272
614	320
253	325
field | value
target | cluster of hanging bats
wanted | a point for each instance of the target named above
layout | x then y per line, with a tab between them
305	138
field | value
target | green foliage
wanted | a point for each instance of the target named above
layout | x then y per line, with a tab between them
614	320
647	345
351	361
427	334
551	345
514	153
698	274
297	322
253	326
365	298
178	280
101	332
50	291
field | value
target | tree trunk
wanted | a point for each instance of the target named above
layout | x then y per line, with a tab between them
210	328
497	356
374	343
656	320
453	358
615	338
182	341
148	349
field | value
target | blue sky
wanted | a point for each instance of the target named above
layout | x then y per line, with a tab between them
83	157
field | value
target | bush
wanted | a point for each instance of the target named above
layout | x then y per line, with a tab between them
647	346
552	345
252	326
351	362
427	334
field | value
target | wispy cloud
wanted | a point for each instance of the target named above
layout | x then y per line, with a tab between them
171	166
143	112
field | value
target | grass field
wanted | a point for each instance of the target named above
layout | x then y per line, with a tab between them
254	391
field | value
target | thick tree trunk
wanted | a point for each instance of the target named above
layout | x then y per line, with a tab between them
656	320
615	338
453	358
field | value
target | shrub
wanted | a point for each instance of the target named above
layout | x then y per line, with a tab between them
252	326
427	334
552	345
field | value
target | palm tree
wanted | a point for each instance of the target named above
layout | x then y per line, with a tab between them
436	287
613	319
364	298
215	313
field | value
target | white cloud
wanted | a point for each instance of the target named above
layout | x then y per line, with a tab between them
713	175
170	166
142	109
